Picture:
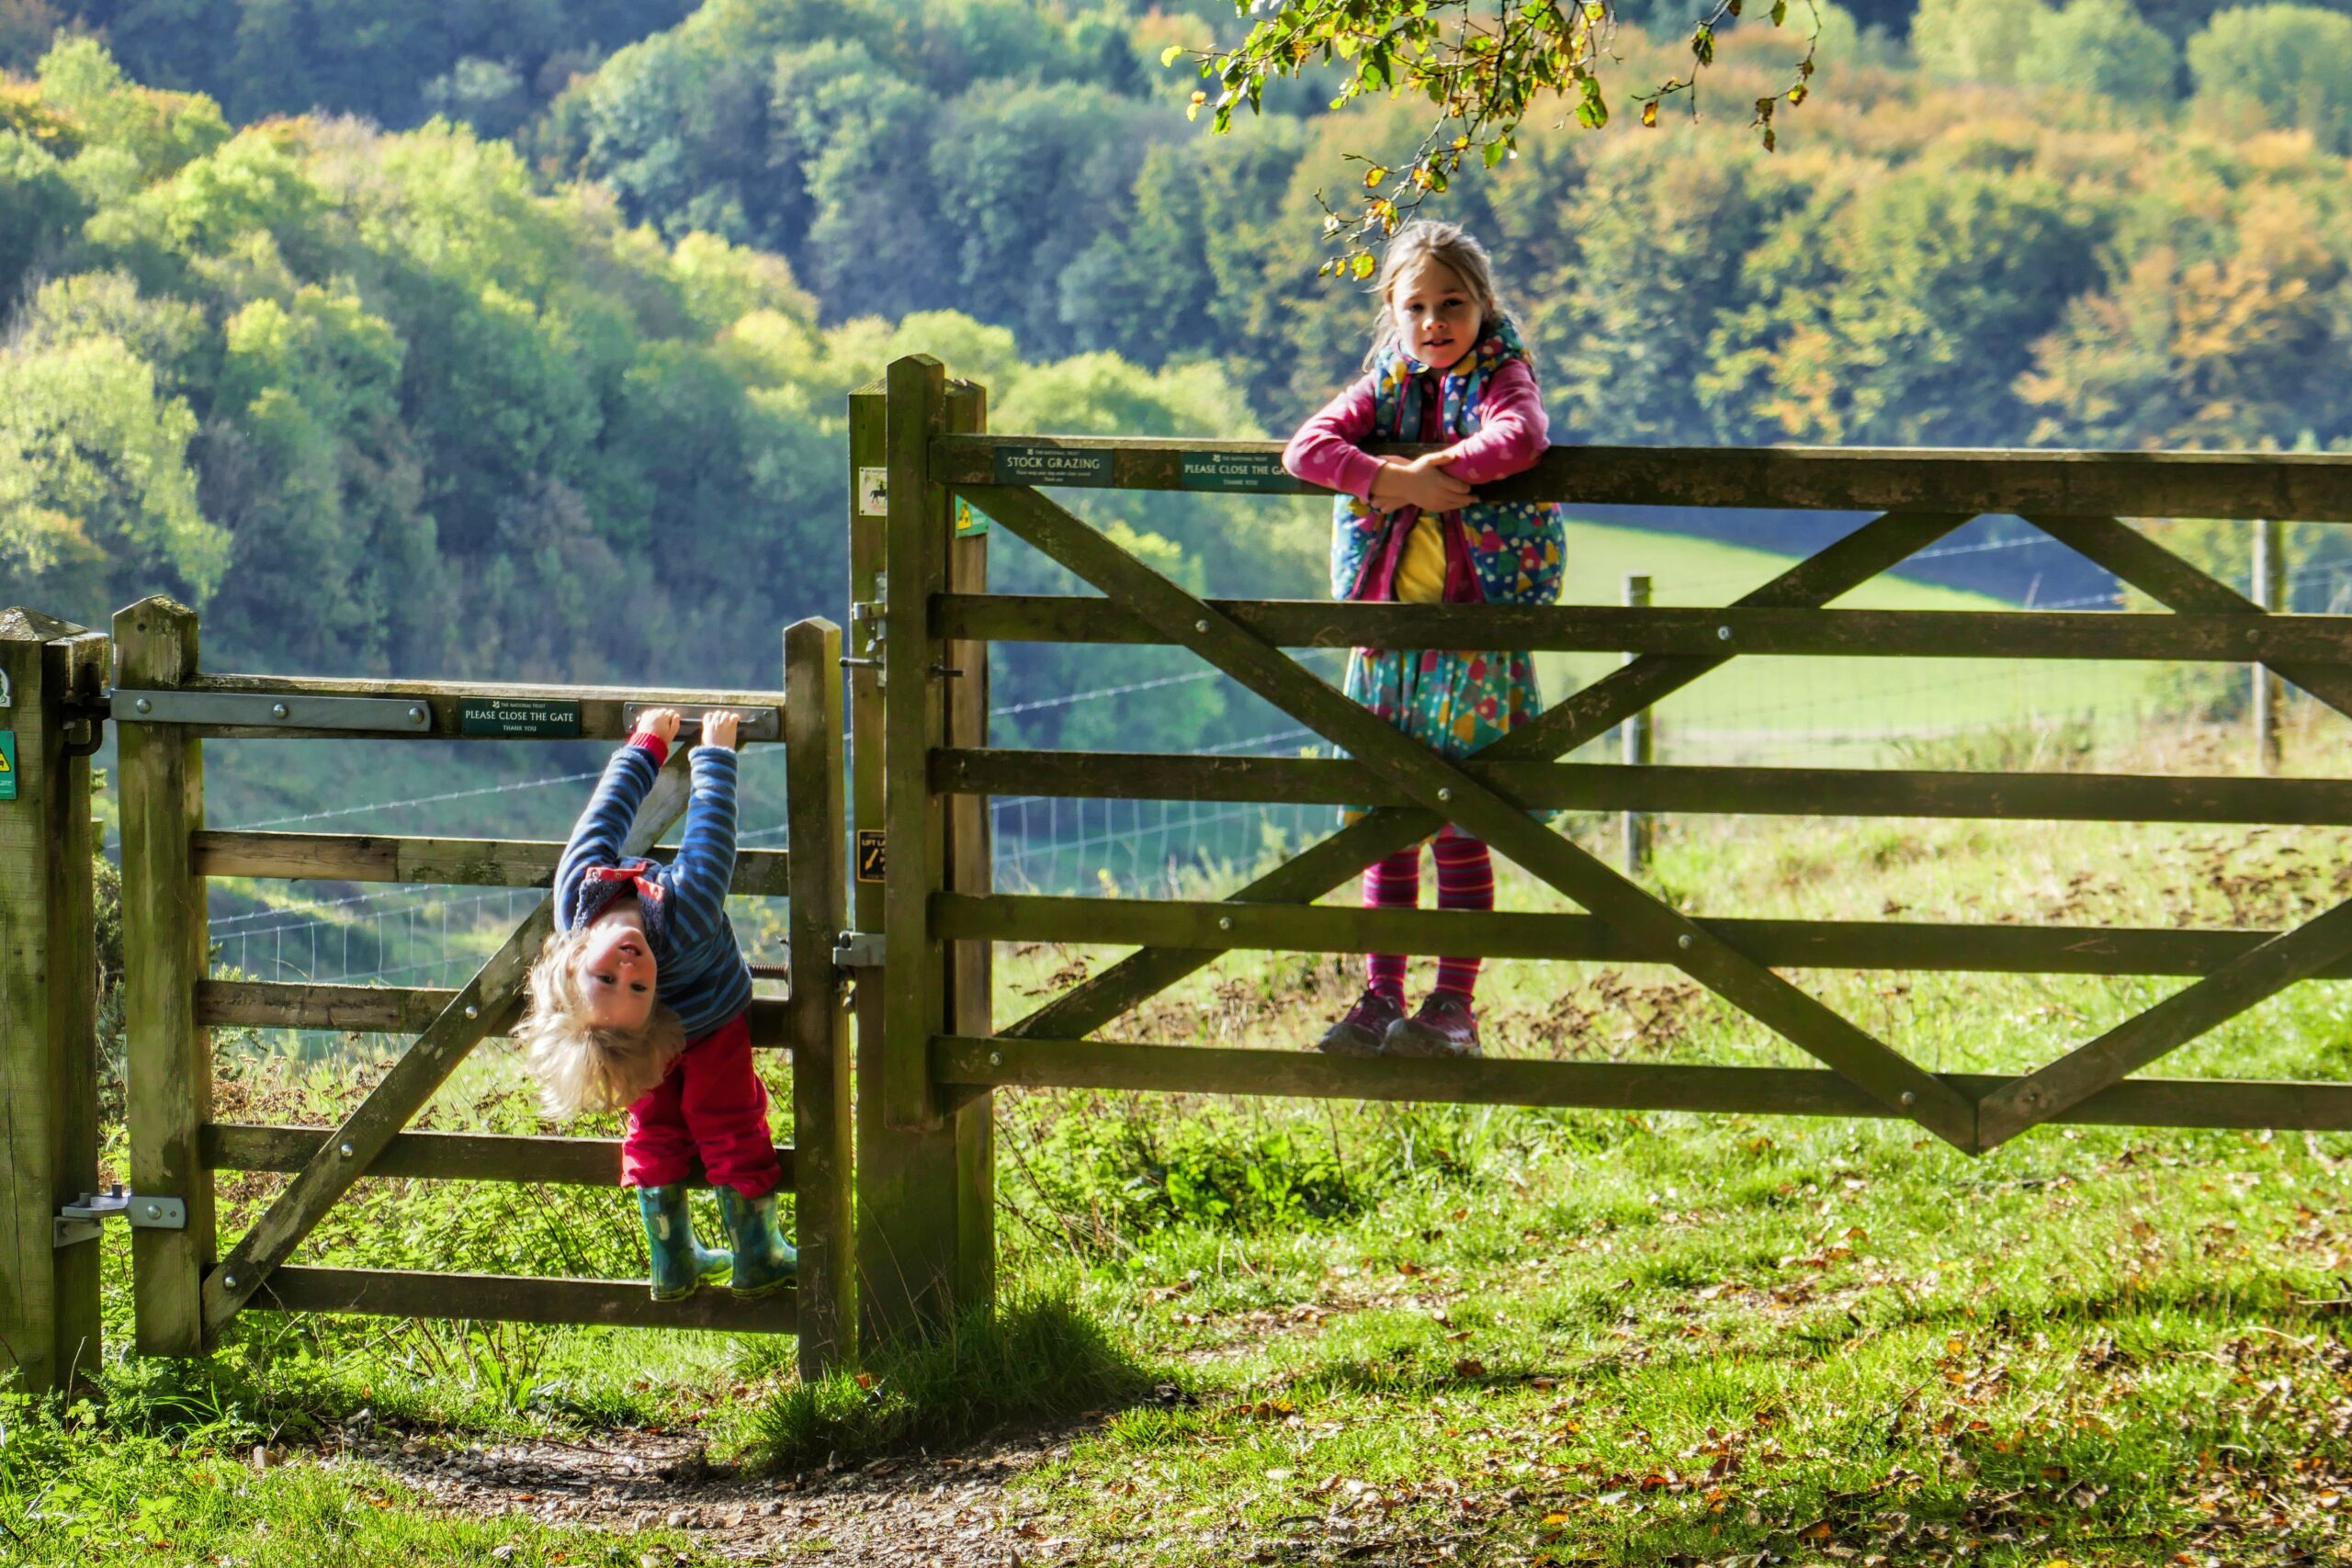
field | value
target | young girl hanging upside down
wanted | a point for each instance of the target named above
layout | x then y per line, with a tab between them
638	1000
1446	366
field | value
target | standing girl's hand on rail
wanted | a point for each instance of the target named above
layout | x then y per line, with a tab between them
718	728
1421	482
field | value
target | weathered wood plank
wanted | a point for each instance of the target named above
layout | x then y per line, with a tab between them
1439	786
1874	548
436	1157
453	862
817	1027
1782	944
1608	786
371	1009
49	1119
970	870
2314	486
160	784
2251	977
602	708
500	1298
403	1090
1607	1086
1611	628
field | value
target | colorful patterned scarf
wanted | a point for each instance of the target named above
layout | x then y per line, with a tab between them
1518	550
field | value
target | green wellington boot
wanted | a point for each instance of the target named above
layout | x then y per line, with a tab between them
681	1264
764	1261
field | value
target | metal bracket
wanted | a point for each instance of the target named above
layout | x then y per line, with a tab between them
78	1222
273	710
93	716
858	950
758	723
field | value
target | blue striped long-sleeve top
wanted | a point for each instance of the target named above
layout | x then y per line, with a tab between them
701	974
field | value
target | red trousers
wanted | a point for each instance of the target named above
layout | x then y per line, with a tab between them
712	1105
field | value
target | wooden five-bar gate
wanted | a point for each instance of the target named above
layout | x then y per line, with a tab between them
892	884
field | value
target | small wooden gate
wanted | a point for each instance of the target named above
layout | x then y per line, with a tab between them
939	1054
186	1289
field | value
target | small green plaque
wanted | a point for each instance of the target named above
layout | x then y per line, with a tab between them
1051	465
519	716
1253	472
968	522
7	764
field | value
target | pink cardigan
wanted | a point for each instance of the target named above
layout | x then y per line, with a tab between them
1329	448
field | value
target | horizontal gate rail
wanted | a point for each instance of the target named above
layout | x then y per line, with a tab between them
998	1061
1778	943
451	863
1691	791
2313	487
382	1009
454	710
1811	633
507	1298
552	1161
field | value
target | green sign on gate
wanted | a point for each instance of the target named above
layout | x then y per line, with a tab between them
7	764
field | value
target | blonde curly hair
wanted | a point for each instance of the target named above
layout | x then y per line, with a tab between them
582	1067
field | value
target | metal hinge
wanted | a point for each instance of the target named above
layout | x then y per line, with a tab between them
78	1222
858	950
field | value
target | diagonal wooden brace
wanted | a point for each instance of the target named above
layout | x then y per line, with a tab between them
1874	548
2179	584
2089	1069
1450	794
481	1004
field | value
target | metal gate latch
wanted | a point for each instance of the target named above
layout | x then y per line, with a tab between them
858	950
78	1222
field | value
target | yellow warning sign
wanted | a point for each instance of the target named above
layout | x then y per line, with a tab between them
7	764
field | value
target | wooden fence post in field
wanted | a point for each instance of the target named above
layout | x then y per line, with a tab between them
2270	592
820	1030
1639	748
161	787
49	1066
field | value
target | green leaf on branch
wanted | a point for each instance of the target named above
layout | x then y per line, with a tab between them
1171	54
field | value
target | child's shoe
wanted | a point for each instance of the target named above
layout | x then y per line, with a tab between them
1445	1027
1361	1029
681	1264
764	1261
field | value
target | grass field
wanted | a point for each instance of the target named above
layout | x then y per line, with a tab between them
1244	1331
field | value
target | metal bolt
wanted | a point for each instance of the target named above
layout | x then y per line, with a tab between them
417	715
472	1012
230	1281
144	705
1444	793
277	710
996	1059
1201	626
1683	941
1723	634
345	1151
1908	1098
1225	922
154	1210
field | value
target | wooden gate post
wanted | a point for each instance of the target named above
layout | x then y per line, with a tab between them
49	1060
925	1208
820	1062
161	786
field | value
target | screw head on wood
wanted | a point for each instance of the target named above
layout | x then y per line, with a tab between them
277	710
1225	922
345	1151
472	1012
996	1059
1199	626
1683	940
230	1281
1723	634
1909	1099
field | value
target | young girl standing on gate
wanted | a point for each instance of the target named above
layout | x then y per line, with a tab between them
638	1000
1446	366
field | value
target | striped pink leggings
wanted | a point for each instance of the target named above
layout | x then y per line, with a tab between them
1465	880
